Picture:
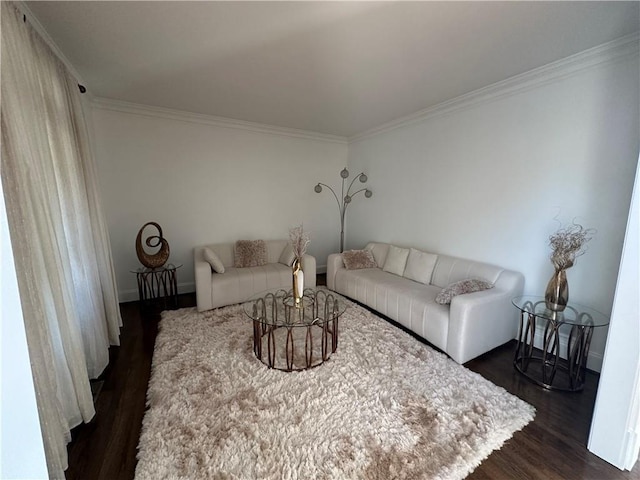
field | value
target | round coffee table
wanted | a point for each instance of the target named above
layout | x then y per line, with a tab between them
290	338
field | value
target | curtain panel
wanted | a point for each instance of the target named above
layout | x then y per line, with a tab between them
59	236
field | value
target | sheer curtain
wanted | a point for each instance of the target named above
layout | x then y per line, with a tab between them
61	247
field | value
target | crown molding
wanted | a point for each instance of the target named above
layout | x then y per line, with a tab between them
610	52
182	116
37	26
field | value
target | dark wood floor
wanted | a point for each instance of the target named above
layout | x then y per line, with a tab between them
553	446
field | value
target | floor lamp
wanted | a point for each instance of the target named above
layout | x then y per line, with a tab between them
345	198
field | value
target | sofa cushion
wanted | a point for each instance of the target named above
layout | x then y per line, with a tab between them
452	269
396	260
275	248
250	253
357	259
287	257
238	284
409	303
213	260
420	266
462	287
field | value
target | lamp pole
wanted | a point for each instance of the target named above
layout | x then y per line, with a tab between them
345	198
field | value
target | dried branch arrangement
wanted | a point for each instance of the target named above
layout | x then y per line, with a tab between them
568	243
299	241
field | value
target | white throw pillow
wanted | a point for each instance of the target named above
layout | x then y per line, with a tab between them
396	260
420	266
287	256
380	251
213	259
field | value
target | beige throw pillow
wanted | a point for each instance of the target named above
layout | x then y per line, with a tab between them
357	259
396	260
420	266
250	253
213	259
461	287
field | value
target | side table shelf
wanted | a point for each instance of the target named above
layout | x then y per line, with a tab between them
541	365
155	284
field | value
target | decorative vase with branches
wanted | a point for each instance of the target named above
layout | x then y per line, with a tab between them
299	242
567	244
345	198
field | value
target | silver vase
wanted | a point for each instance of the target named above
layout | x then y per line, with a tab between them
556	296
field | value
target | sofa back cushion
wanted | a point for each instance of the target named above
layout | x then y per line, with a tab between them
396	260
226	251
451	269
420	266
275	249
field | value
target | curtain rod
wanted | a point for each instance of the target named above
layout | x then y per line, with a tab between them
35	24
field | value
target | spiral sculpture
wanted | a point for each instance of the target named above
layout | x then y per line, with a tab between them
157	259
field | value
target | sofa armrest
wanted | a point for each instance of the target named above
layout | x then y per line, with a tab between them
308	265
203	273
482	321
334	263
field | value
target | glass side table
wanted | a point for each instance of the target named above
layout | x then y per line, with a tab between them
541	365
156	284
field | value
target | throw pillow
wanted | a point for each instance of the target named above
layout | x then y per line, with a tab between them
250	253
287	256
420	266
213	259
396	260
461	287
357	259
380	251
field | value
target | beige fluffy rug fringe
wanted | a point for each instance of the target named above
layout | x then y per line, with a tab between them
384	406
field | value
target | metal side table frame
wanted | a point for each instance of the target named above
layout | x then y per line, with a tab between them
158	283
535	317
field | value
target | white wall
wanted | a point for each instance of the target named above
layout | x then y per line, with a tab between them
204	182
484	179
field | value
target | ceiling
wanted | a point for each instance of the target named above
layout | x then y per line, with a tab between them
337	68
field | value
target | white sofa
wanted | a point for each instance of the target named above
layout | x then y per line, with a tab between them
236	285
471	325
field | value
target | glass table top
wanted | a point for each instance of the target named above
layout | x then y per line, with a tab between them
164	268
573	314
276	307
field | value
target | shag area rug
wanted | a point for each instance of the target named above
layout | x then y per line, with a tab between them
384	406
